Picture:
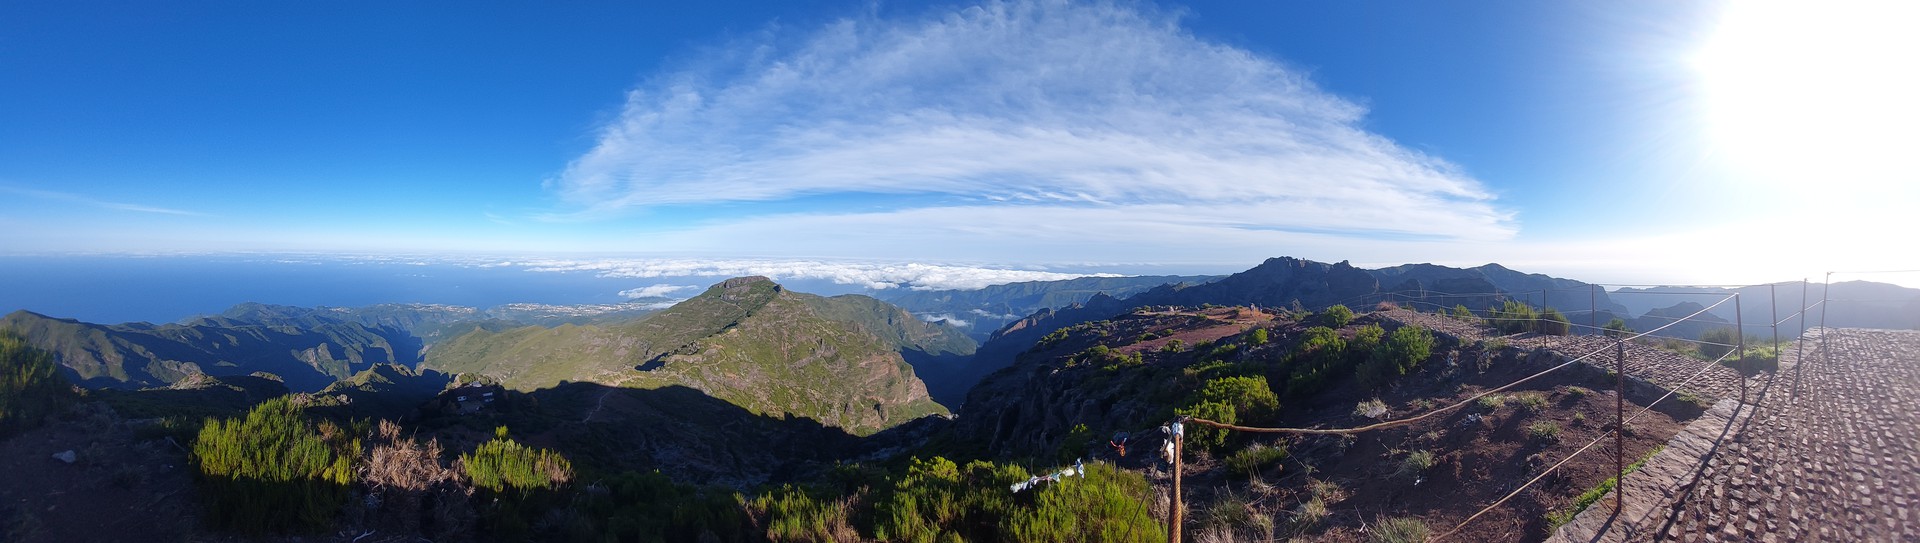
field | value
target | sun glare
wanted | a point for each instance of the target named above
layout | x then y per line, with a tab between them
1814	94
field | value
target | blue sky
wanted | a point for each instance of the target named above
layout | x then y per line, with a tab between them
1620	142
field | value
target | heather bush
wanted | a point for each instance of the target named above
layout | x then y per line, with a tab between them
1553	323
503	464
1617	328
30	385
1512	317
519	482
273	470
1407	347
1319	358
1336	316
1107	505
1460	311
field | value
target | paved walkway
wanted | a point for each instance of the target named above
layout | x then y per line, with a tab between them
1828	449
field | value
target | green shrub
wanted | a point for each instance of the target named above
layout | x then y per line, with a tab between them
1461	312
273	471
1319	358
1250	397
1365	341
1617	328
1308	515
1491	402
1256	458
503	464
1545	430
1224	351
1399	530
1257	337
1108	505
1553	323
1512	317
30	385
1336	316
1206	437
1075	444
649	507
1415	463
937	500
1407	347
1718	342
1531	402
792	513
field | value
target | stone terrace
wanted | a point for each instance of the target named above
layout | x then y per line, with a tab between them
1827	449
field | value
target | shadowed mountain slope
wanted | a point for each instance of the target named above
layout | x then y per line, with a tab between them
747	341
137	355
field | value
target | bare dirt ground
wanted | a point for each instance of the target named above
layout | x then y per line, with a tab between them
1479	453
119	488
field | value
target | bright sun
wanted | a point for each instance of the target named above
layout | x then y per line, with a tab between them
1815	94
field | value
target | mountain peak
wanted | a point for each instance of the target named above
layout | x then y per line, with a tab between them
747	281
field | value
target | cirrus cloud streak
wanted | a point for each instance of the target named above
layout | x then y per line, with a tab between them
1109	112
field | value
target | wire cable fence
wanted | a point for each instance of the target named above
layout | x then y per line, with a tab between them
1735	350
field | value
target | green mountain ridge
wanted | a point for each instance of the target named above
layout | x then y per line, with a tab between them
140	355
747	341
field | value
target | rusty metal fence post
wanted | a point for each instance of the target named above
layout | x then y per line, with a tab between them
1619	424
1740	344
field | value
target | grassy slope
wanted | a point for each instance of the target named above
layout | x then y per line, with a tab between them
746	341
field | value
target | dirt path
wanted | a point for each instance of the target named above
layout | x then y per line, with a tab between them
597	404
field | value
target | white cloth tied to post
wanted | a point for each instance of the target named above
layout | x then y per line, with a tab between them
1078	468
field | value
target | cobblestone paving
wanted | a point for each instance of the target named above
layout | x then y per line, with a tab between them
1830	451
1670	370
1827	448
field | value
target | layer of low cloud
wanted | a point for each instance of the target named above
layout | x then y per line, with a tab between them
1097	122
655	291
948	317
992	315
868	275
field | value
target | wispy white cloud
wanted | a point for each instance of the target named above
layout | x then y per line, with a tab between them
95	202
948	317
1036	122
655	291
992	315
868	275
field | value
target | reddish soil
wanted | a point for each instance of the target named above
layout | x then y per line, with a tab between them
1480	454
